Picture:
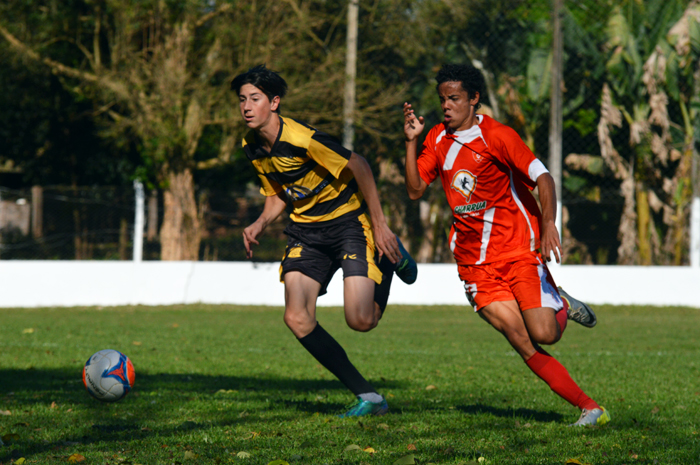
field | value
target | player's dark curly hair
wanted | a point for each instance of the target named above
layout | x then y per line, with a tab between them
264	79
471	78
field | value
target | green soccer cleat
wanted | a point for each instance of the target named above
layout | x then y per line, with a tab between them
362	408
596	416
406	269
579	311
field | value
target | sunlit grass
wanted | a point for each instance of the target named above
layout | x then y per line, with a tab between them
217	383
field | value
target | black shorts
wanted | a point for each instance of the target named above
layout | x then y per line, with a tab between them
318	251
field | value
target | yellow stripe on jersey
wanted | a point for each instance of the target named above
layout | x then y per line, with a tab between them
373	271
309	166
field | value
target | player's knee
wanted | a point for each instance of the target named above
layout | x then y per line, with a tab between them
546	335
362	322
297	321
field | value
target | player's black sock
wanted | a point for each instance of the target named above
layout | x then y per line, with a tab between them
381	291
331	355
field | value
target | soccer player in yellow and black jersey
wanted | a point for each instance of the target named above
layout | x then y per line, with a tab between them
337	221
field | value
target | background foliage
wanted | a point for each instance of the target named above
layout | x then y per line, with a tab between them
101	92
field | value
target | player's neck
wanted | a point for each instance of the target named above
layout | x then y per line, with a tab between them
469	122
267	133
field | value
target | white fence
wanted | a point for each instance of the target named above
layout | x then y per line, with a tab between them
108	283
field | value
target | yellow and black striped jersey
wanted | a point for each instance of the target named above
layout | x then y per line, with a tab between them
309	167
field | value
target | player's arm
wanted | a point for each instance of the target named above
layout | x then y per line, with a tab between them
383	237
549	236
274	206
412	128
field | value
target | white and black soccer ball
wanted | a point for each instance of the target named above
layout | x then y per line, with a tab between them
108	375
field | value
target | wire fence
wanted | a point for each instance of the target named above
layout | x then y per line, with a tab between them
97	223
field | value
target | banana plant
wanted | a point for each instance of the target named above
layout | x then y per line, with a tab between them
636	41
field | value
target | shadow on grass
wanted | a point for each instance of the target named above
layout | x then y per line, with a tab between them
63	383
521	413
37	396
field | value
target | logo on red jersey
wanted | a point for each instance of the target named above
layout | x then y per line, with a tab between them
477	157
464	182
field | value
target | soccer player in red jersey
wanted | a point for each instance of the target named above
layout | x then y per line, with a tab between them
487	173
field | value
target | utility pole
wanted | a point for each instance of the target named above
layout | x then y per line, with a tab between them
556	116
350	74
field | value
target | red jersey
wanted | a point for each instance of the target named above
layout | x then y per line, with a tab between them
488	174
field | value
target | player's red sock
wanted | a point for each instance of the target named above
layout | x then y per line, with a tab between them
562	316
555	375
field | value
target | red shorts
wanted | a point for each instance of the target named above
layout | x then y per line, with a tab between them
524	278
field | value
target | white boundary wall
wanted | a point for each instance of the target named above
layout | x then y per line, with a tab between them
109	283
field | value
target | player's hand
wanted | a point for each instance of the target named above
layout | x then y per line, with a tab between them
386	243
250	237
412	125
549	242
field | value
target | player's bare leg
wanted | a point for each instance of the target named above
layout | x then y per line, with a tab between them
361	311
507	318
301	293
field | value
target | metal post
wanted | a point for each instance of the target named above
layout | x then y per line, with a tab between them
350	74
556	117
139	221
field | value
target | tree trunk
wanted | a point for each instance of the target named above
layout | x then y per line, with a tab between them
152	228
37	212
180	234
643	224
123	239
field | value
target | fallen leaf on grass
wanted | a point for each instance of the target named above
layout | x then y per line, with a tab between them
225	392
5	412
75	458
406	460
53	405
655	410
411	447
189	455
352	447
278	462
19	461
136	343
430	388
243	455
369	450
576	462
383	426
28	331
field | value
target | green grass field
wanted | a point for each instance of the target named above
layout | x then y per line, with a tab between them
227	384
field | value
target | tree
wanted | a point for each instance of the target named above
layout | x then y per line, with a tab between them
635	73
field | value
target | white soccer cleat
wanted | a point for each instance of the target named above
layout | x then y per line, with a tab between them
596	416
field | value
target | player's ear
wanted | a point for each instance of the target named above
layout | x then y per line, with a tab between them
275	103
474	99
